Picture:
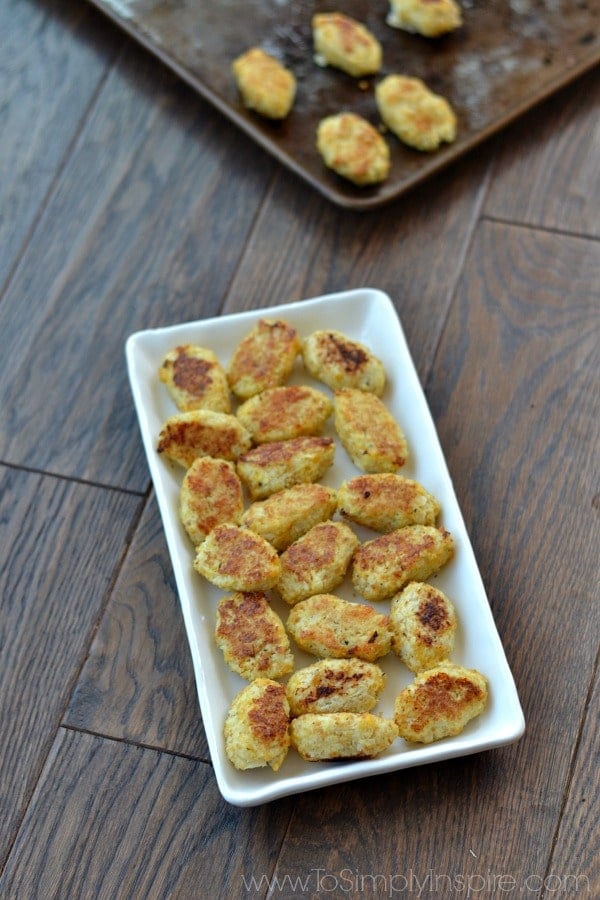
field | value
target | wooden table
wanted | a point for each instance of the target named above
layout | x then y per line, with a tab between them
128	202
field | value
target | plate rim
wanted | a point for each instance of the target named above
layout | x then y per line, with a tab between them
509	730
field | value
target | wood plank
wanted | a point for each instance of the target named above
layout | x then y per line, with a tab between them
54	56
302	246
138	682
575	862
432	831
145	227
518	433
546	173
59	550
517	430
113	820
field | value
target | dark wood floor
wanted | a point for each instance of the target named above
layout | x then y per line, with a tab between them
127	202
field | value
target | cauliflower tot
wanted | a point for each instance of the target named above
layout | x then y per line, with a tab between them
424	625
256	729
237	559
431	18
417	116
340	362
342	42
265	85
195	379
353	148
439	703
386	564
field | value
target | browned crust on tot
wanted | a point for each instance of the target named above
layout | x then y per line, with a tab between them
317	562
268	718
211	494
195	379
252	636
368	431
264	358
328	626
237	559
202	432
256	728
285	412
439	703
276	466
286	515
386	564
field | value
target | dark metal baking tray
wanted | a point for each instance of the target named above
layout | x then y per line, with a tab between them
507	57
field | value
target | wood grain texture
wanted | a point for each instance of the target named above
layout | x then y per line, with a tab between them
546	173
138	682
519	427
59	551
519	431
51	69
303	247
112	821
139	231
429	831
577	843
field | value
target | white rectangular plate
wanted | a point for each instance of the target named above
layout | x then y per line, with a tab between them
368	316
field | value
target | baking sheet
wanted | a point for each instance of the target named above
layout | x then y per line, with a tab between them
507	57
369	316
